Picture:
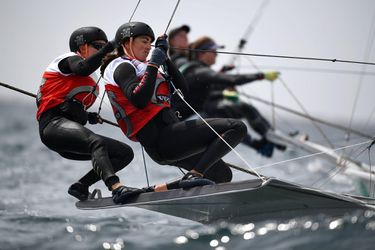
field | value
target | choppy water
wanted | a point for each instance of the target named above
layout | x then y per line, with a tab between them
37	213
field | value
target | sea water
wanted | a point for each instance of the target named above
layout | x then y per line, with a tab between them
37	213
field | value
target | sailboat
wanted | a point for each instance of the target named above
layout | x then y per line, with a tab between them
253	200
258	199
240	202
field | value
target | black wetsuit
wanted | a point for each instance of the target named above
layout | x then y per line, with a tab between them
189	144
179	58
62	130
205	96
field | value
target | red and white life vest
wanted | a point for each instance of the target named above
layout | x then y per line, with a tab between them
56	87
130	118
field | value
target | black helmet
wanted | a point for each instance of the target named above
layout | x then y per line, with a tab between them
85	35
133	29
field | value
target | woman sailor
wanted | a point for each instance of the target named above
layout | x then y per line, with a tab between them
140	98
67	90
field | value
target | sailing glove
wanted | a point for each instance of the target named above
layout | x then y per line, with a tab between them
271	76
94	118
231	95
162	43
158	57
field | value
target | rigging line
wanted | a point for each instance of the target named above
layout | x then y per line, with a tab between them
303	108
272	87
178	91
91	93
242	169
369	119
310	155
277	116
298	102
369	158
170	20
102	99
370	41
136	7
332	173
339	169
273	112
144	164
101	103
251	97
250	29
278	56
306	112
319	70
33	95
17	89
358	152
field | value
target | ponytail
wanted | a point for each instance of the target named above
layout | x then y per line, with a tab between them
110	57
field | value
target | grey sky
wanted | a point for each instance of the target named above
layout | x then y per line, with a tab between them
35	32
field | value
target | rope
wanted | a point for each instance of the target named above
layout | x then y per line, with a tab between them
310	155
280	56
295	98
369	157
313	69
272	94
144	164
143	154
135	9
17	89
250	29
33	95
370	184
369	119
217	134
306	112
170	20
366	57
166	76
102	99
90	94
342	169
252	97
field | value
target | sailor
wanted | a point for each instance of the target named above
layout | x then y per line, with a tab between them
179	43
67	90
140	98
213	93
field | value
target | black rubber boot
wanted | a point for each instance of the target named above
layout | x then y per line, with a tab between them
79	191
263	147
193	180
123	194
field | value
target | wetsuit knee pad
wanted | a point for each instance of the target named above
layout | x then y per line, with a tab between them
238	126
121	159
